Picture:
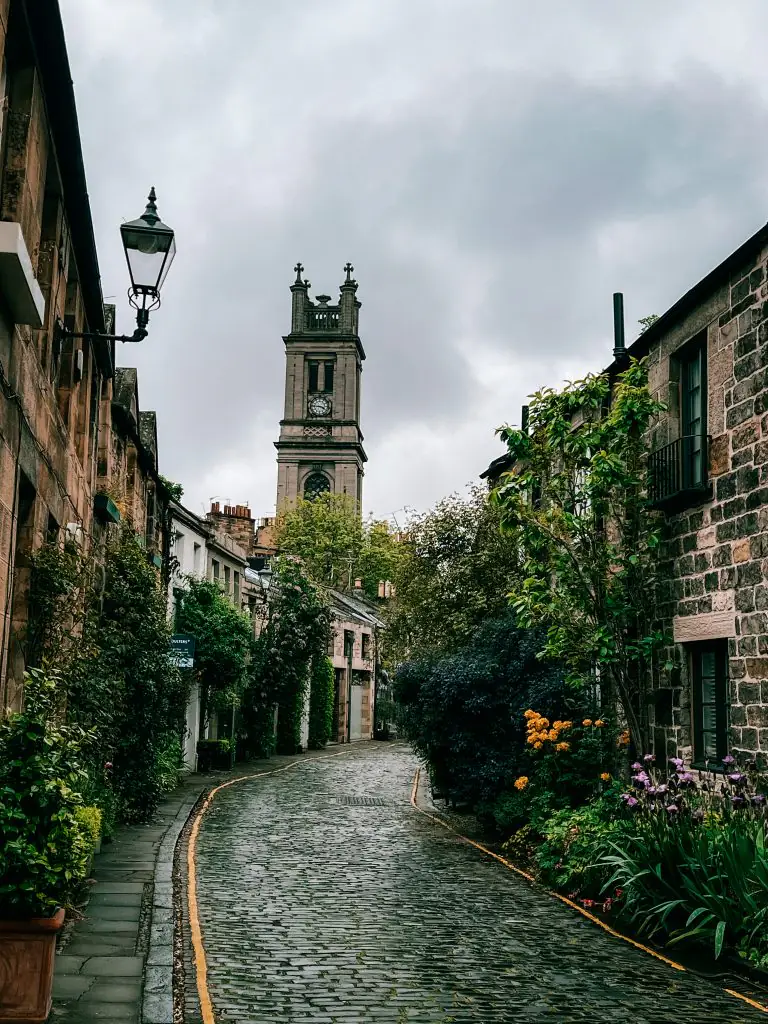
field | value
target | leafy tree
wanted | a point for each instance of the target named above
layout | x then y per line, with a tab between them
455	572
321	692
334	544
295	637
222	643
176	491
575	502
463	711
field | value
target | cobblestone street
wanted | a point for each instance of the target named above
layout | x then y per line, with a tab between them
324	896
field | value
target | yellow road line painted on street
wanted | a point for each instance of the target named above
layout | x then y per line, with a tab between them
563	899
196	935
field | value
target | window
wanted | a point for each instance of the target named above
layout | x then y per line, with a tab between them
237	590
196	559
366	646
178	550
314	371
678	470
709	678
693	414
316	483
328	376
227	575
349	643
215	569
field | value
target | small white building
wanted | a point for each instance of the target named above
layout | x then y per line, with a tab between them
199	551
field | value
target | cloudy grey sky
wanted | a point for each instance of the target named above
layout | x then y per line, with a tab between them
494	169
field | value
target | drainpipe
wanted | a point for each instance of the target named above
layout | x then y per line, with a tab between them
349	691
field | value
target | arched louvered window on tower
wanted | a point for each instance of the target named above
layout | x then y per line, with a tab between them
316	483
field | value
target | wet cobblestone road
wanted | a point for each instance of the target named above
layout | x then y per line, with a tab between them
323	896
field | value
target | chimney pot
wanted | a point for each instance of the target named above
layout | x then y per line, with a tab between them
358	584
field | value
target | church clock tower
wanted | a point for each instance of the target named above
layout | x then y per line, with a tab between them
321	446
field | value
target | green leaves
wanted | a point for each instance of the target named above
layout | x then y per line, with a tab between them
589	542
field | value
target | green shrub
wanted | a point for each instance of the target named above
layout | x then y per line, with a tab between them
43	850
321	694
89	820
463	712
170	764
573	840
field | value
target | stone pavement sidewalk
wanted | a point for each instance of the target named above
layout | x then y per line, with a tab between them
117	963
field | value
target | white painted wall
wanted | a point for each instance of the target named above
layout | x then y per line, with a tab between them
188	545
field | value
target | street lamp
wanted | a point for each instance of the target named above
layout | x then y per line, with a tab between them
150	247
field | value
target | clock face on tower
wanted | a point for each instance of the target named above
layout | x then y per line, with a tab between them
319	405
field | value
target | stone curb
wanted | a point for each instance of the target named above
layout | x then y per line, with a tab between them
157	1001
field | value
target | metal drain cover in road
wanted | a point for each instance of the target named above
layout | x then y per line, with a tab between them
361	801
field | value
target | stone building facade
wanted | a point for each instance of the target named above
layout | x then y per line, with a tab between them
356	656
708	476
52	388
708	363
321	445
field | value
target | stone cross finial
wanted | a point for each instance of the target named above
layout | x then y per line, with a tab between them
349	269
298	268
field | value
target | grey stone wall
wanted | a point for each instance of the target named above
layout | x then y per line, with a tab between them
717	551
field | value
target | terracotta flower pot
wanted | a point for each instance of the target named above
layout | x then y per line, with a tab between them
27	948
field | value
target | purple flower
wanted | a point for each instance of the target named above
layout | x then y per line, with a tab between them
662	788
677	763
686	778
736	777
649	758
629	800
728	759
672	808
737	800
637	767
758	800
698	814
641	779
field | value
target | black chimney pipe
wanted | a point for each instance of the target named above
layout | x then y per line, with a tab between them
619	346
524	420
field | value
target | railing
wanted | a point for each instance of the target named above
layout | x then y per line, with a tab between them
679	469
322	320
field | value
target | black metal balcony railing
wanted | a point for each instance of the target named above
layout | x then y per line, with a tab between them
679	470
322	320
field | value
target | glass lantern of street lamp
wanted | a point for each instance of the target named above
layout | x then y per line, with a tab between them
150	247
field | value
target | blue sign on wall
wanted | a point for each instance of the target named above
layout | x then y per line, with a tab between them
183	650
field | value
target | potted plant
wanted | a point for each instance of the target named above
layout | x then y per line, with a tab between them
44	852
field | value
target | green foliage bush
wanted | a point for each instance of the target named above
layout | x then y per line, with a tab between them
222	643
107	634
89	820
295	635
463	712
43	850
321	694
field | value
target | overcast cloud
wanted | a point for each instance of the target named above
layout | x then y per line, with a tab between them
494	169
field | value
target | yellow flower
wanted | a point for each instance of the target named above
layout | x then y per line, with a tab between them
537	745
529	714
563	746
544	722
623	740
552	735
566	725
599	723
587	721
606	776
522	782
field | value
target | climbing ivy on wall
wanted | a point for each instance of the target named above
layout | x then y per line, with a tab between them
103	628
295	635
320	703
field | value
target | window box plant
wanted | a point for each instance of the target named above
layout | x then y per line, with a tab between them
44	851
